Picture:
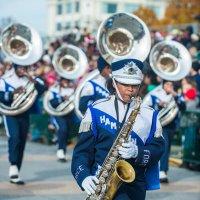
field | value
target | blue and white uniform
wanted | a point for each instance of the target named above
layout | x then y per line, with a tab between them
98	131
93	90
62	123
156	96
16	126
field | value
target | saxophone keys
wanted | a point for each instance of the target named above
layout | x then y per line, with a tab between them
115	153
112	160
98	189
117	146
121	140
108	166
102	180
105	174
92	197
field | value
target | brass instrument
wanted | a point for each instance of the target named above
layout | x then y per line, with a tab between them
71	63
110	178
121	35
23	46
62	109
171	61
77	95
168	113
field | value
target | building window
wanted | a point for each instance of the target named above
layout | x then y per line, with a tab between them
69	7
77	6
77	23
58	26
68	25
130	7
109	7
59	9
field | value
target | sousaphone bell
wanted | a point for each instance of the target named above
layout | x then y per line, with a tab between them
23	46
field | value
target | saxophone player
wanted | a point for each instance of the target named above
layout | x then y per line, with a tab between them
95	89
16	126
99	128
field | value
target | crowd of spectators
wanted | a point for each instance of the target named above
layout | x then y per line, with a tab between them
189	86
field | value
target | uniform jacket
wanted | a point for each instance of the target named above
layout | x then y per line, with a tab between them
98	130
157	95
93	90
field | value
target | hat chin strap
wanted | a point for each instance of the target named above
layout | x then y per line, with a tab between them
119	95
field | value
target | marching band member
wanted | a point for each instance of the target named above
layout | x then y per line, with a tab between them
95	89
16	126
100	126
158	99
61	92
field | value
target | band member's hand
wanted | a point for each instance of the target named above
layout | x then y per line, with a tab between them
129	149
174	94
19	90
26	74
88	184
162	104
66	98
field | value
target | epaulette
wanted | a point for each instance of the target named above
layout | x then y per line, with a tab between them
101	100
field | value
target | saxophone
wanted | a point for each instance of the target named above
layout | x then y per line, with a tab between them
115	170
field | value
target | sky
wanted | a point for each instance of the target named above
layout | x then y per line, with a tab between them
30	12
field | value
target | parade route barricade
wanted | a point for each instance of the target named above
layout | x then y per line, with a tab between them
190	131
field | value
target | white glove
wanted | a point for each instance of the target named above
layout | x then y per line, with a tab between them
88	184
129	149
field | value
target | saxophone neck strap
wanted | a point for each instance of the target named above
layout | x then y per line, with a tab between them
117	113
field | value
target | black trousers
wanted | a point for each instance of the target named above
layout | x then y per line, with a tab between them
63	125
17	129
134	191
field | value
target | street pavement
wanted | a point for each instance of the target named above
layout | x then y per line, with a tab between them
48	179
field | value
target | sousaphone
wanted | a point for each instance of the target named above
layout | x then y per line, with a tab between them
70	62
23	46
171	61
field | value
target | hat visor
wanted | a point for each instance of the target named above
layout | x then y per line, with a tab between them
129	81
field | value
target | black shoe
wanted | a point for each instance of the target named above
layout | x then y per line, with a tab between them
63	160
17	181
164	180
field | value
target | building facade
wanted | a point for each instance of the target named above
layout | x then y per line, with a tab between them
63	15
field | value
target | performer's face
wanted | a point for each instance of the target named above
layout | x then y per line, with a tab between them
168	87
64	83
127	91
20	71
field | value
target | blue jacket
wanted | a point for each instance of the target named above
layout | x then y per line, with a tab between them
93	91
98	131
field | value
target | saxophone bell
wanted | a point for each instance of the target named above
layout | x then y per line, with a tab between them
123	172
